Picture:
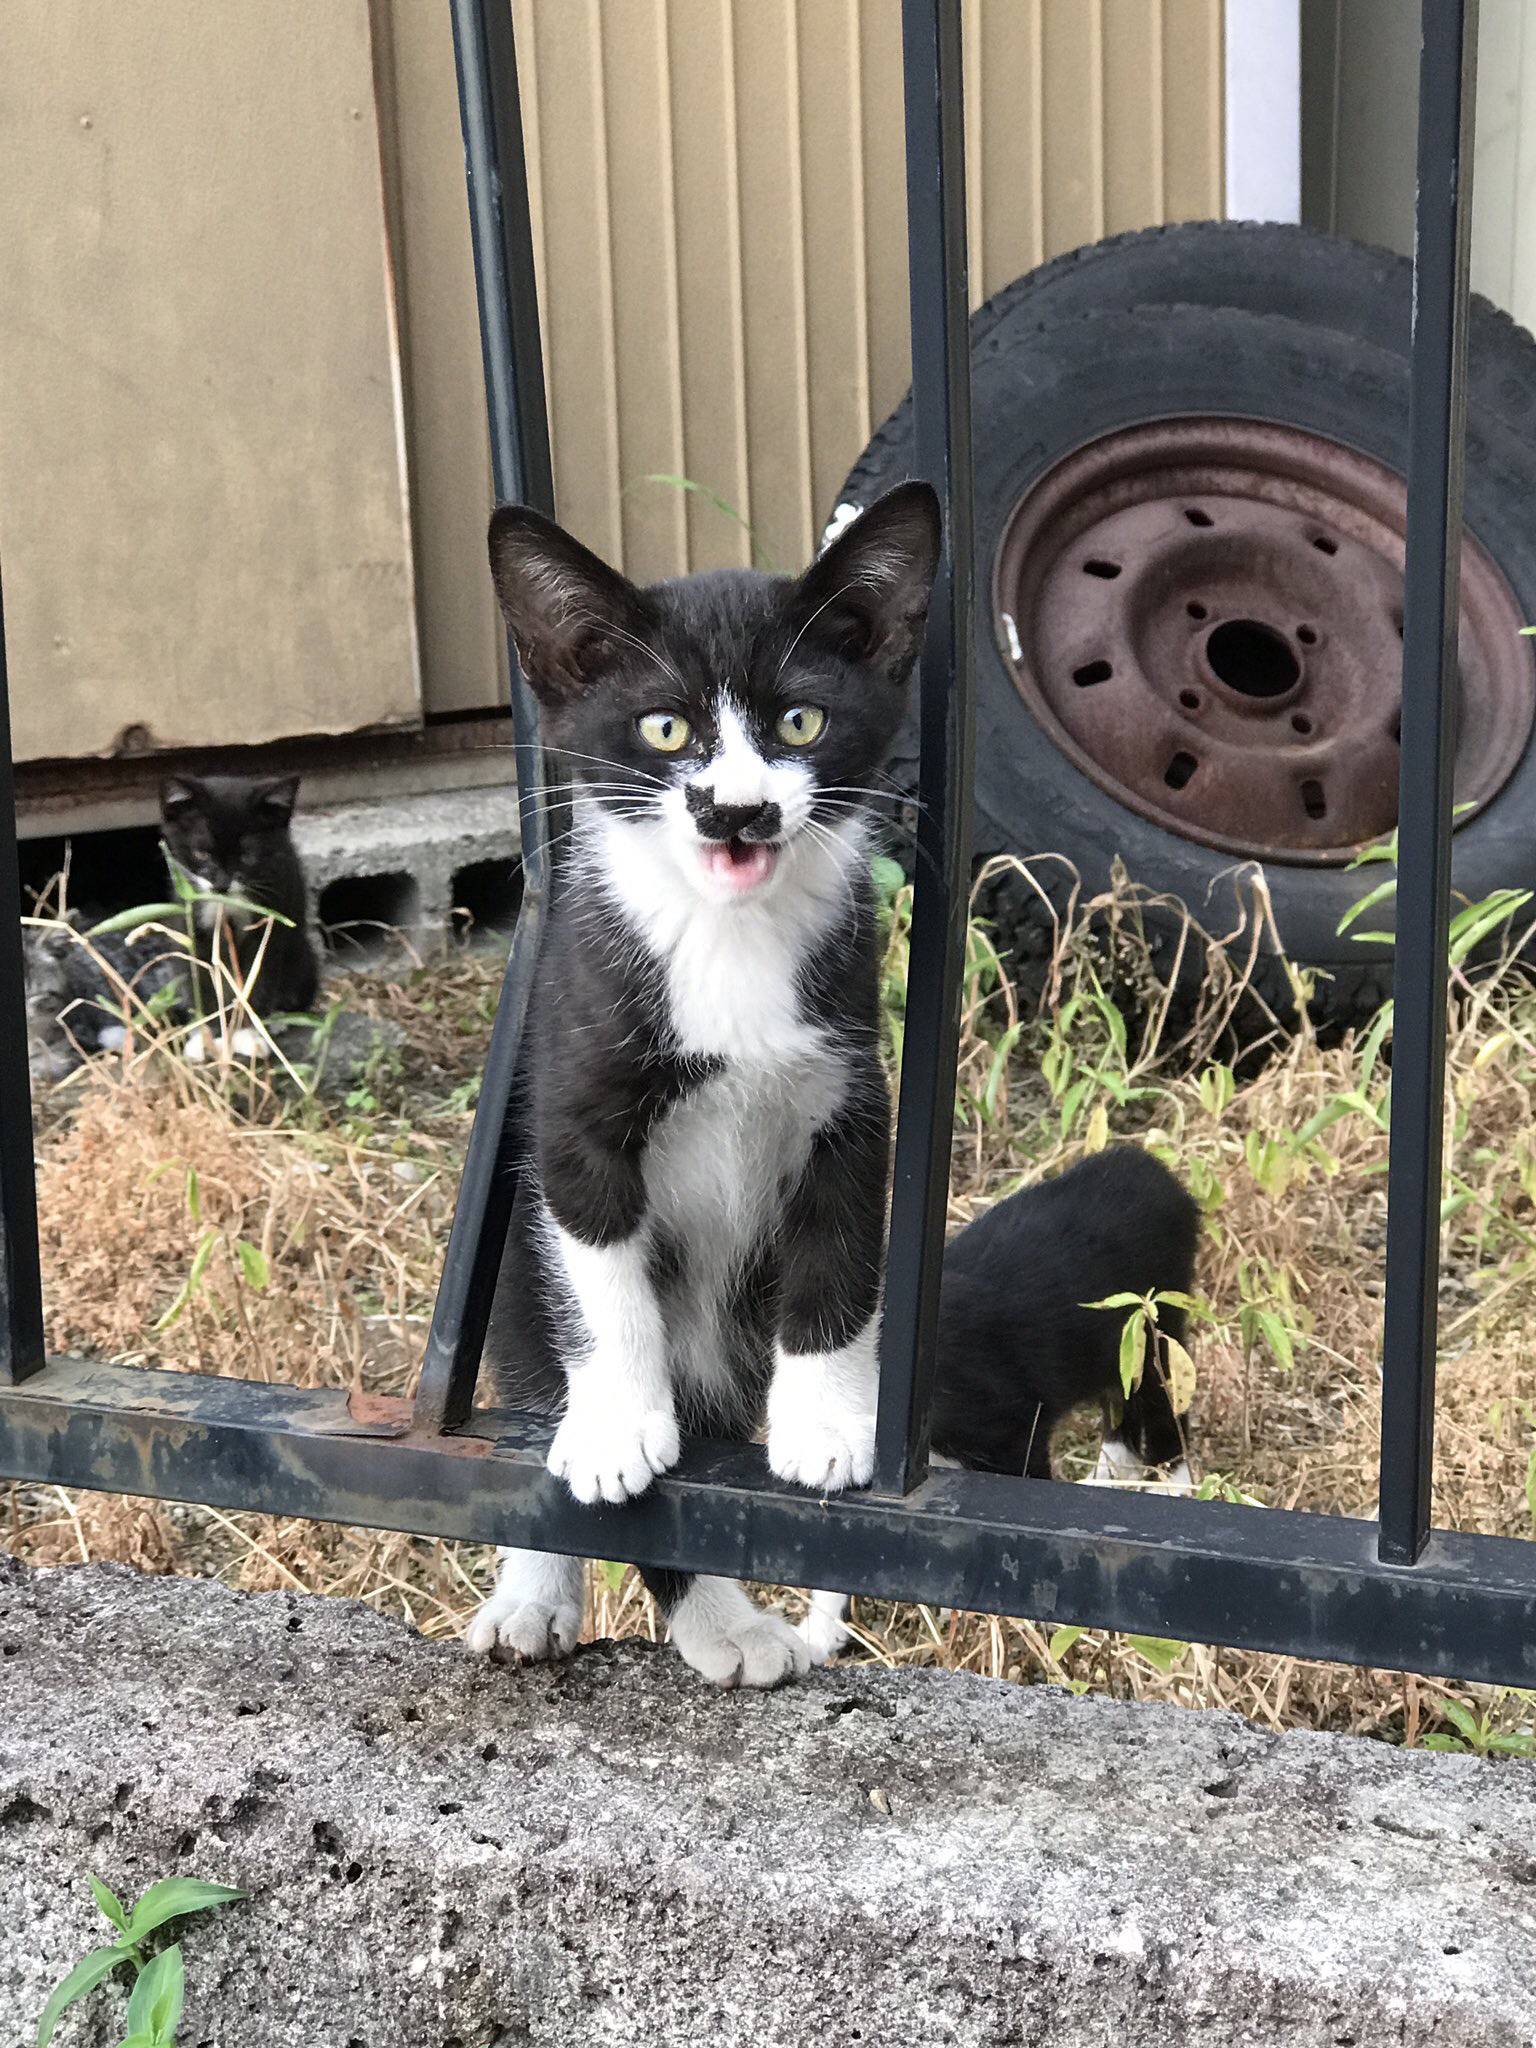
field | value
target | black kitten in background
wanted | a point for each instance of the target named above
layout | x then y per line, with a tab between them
1018	1347
232	838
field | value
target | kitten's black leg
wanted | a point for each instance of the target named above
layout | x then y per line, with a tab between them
717	1629
821	1404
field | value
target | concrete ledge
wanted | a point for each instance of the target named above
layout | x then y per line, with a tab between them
449	1855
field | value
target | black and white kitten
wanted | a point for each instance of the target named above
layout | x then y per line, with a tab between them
232	837
1019	1347
81	988
698	1238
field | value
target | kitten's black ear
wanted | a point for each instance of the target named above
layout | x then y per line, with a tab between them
179	797
276	799
867	596
567	611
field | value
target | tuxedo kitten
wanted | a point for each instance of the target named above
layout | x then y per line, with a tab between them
698	1235
80	989
231	837
1019	1348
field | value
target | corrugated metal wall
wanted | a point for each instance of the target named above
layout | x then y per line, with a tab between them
203	509
719	187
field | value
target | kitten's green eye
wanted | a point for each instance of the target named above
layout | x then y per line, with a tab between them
800	725
666	731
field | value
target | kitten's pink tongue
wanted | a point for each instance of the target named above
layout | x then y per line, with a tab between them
738	864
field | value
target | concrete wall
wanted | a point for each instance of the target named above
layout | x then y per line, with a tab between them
448	1853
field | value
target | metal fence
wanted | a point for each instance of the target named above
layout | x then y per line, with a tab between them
1394	1592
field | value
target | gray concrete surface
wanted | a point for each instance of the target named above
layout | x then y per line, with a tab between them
443	1854
428	839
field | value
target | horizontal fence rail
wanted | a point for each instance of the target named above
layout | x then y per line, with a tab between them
1394	1593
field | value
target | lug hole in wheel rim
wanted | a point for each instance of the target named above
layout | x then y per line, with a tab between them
1090	673
1108	571
1313	799
1190	699
1179	770
1197	611
1301	723
1198	518
1307	635
1252	658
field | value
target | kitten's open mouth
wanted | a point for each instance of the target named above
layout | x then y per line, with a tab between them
741	864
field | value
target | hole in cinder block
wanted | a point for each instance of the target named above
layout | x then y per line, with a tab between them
361	917
487	896
107	871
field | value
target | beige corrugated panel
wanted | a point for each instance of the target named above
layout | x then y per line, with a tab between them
200	436
202	507
719	191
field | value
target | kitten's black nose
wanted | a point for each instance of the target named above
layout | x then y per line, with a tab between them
755	822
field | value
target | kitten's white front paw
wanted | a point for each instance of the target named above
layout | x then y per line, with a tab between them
523	1631
247	1044
753	1648
196	1047
613	1455
826	1448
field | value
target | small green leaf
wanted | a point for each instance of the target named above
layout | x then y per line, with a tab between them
889	878
1062	1641
1181	1376
111	1905
84	1977
611	1573
172	1897
1118	1301
253	1264
1133	1344
1452	1743
1159	1652
1361	905
1072	1101
1462	1719
200	1258
194	1195
155	2007
130	920
1277	1337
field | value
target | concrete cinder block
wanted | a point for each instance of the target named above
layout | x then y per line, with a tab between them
425	841
446	1854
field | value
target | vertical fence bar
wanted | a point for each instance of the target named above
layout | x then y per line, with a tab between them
1431	603
506	290
21	1288
941	400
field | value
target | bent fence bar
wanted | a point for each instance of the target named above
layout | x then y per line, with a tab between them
1395	1593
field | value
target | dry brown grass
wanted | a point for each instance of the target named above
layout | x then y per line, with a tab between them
348	1207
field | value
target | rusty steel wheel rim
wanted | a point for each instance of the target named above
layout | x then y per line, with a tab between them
1206	615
